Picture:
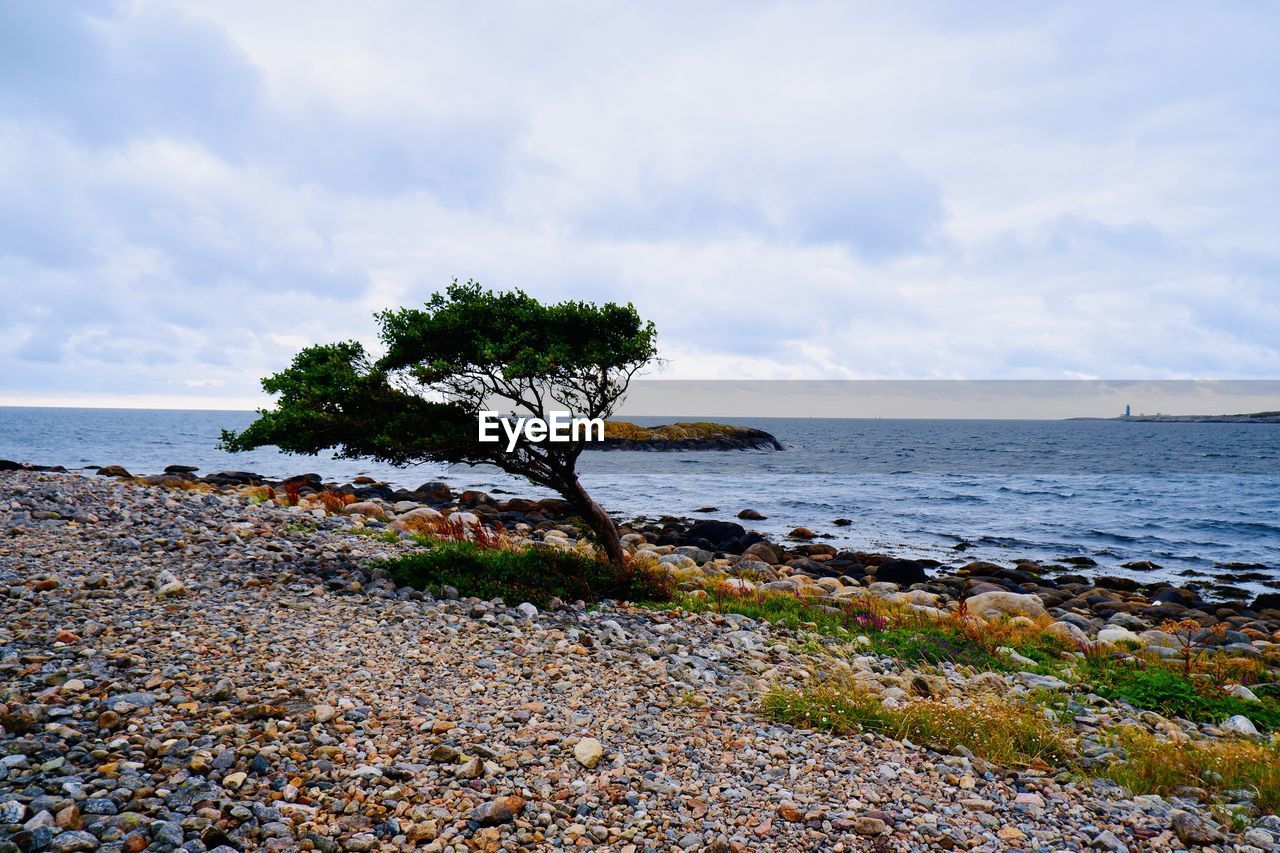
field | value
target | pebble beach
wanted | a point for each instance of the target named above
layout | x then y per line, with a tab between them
189	669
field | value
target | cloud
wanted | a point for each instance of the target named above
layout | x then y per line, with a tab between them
189	191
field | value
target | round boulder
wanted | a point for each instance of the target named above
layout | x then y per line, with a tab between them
1002	605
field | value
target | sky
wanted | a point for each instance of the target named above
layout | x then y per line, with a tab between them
191	191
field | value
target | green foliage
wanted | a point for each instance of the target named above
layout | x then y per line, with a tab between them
1157	688
996	731
534	574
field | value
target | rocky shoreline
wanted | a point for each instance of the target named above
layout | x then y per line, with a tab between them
185	664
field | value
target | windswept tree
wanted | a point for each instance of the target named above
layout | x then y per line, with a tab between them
466	351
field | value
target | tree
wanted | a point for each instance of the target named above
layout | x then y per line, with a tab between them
467	350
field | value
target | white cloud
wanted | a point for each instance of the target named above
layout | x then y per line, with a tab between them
196	189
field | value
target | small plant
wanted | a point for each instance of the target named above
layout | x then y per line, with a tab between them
1192	639
691	699
292	494
260	494
332	502
451	528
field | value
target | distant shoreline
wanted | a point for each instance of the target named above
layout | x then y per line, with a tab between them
1254	418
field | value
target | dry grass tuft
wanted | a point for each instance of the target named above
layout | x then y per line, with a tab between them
996	731
1155	766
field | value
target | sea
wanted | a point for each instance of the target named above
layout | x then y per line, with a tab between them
1201	500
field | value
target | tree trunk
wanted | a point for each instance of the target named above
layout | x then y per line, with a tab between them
598	520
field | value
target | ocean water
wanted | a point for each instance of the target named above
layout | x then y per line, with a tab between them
1194	498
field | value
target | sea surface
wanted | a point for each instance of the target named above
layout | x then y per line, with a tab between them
1201	500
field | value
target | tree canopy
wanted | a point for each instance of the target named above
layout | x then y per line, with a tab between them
467	350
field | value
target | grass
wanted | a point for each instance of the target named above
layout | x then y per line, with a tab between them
1157	687
893	629
1024	734
382	535
996	731
535	574
897	632
854	617
1154	766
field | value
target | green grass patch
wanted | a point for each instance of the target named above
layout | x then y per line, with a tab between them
1155	687
535	574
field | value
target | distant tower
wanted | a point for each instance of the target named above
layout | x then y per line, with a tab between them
1126	410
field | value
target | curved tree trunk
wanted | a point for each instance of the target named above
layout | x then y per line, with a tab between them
598	520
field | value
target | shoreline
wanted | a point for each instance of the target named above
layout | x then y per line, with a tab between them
1217	583
139	615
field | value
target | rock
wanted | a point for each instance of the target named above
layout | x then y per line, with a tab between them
869	826
473	769
1114	635
369	509
363	841
588	752
1192	829
718	533
113	471
324	713
74	840
801	533
499	811
842	522
1238	724
1002	605
1241	692
435	490
751	515
168	586
1067	633
1260	838
770	554
901	572
1107	840
1266	601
